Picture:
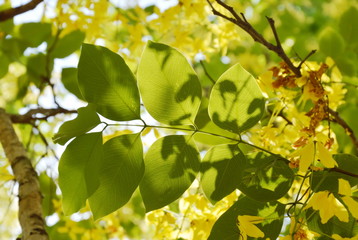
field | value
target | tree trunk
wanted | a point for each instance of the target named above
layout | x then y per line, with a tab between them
30	198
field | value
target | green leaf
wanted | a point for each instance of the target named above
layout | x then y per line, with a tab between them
22	86
86	119
13	48
78	170
213	134
226	226
171	165
120	174
220	170
264	178
6	26
333	226
4	64
331	42
68	44
346	26
106	80
35	33
170	89
69	80
48	191
328	179
37	68
236	102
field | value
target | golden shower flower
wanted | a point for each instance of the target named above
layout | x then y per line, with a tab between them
246	225
328	206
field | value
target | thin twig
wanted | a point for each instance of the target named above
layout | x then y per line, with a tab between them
247	27
346	127
308	56
274	31
12	12
206	72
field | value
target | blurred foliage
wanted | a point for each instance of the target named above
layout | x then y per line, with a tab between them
33	54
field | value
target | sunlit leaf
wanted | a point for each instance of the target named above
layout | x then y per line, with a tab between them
264	178
106	80
221	171
78	170
68	44
236	102
210	133
86	119
171	165
121	170
169	86
69	80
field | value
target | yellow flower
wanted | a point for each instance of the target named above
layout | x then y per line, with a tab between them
325	157
311	151
337	237
246	226
298	232
328	206
344	188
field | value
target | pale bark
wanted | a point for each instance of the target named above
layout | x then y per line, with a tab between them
30	198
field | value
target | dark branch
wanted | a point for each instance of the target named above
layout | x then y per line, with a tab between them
247	27
38	114
308	56
346	127
12	12
273	28
344	172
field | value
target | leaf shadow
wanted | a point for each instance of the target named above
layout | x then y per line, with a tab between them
187	158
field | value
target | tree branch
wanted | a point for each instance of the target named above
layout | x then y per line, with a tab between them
247	27
12	12
343	172
30	198
38	114
346	127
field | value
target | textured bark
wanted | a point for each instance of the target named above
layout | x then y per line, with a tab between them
30	198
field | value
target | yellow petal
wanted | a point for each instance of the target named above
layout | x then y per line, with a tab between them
328	206
337	237
307	157
352	205
247	227
325	157
344	187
